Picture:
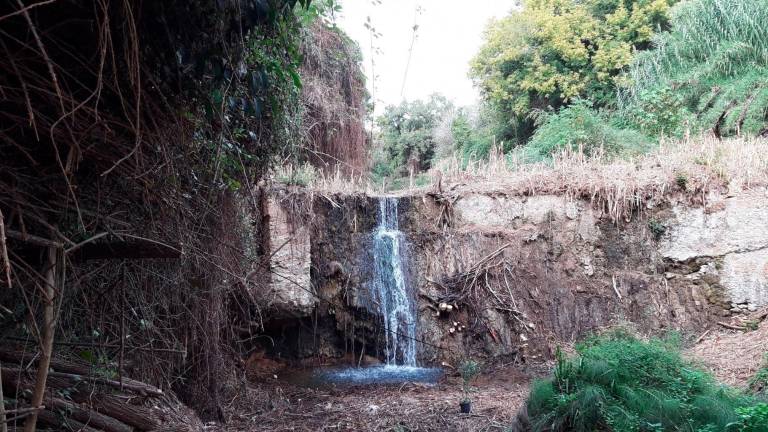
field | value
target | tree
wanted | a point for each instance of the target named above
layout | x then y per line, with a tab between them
551	52
408	135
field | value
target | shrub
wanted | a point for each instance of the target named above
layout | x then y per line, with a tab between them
751	419
581	127
619	383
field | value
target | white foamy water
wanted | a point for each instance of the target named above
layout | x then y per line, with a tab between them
391	287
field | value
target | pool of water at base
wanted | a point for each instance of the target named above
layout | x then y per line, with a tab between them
363	376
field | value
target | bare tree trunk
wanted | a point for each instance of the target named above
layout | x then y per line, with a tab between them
49	327
3	424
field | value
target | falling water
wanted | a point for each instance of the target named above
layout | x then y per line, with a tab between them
391	288
390	296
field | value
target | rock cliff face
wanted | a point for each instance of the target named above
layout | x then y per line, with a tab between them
729	239
512	277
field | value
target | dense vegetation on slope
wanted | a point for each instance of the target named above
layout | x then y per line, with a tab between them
622	384
709	72
334	99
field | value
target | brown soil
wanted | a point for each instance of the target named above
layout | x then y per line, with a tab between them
408	407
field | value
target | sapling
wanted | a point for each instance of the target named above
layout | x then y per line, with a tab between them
468	369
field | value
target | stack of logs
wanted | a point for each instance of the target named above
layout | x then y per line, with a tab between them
76	398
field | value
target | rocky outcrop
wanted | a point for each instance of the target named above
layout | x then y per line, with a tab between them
729	241
289	291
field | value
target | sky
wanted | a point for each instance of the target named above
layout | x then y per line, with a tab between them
450	33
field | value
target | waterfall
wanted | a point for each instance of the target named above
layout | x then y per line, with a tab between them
391	287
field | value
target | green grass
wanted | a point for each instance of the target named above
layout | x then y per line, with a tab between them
619	383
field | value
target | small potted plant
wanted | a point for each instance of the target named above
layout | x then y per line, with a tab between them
468	370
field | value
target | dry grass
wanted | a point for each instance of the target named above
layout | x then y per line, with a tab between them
319	181
689	169
692	168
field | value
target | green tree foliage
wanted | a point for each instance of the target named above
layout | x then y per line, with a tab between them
709	71
407	135
476	131
553	51
619	383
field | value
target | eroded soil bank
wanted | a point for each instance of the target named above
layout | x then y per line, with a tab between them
507	277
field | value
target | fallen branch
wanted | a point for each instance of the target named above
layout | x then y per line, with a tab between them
701	338
732	327
31	239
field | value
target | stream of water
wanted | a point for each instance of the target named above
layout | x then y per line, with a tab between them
394	302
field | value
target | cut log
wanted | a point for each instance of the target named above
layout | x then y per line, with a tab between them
135	386
80	372
88	417
137	416
61	423
133	416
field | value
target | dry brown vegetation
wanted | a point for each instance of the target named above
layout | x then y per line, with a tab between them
333	95
690	169
734	356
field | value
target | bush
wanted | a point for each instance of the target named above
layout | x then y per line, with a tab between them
619	383
581	127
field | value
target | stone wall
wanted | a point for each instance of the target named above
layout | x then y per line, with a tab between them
289	291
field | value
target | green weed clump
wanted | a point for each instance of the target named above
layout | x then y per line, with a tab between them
620	383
